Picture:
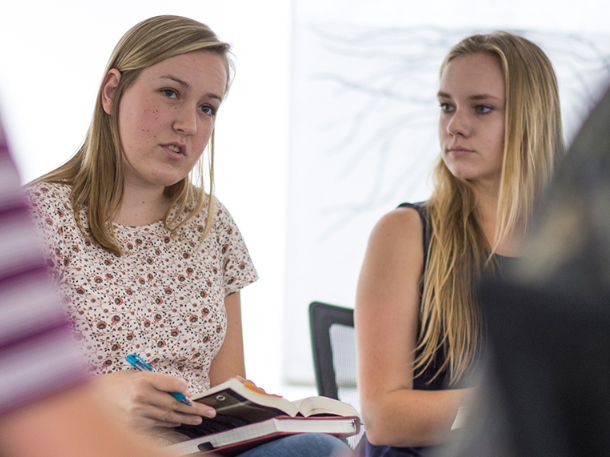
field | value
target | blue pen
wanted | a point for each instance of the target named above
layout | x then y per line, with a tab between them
141	365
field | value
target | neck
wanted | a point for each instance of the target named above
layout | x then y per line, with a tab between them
141	206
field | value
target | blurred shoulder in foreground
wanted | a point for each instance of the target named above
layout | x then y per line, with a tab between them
47	405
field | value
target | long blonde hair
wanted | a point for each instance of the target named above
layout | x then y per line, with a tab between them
459	250
96	173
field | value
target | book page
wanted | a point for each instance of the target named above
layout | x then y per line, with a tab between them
224	395
312	406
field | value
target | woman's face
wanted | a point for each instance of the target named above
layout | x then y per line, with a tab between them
166	117
471	125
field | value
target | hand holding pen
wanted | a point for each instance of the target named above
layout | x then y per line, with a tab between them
142	400
141	365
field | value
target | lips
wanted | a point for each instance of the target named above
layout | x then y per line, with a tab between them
458	150
175	149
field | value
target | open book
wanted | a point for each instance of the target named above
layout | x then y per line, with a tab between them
240	439
247	415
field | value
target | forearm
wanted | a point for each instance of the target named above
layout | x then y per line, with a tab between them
65	425
408	417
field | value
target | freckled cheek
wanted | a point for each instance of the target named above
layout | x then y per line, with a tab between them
151	114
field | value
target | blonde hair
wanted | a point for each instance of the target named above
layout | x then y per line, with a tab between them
459	250
95	172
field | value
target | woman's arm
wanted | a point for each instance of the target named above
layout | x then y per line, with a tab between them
386	318
142	398
229	361
67	424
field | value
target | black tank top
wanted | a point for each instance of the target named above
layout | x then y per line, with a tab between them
424	380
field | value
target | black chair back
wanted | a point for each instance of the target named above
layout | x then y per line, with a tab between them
334	354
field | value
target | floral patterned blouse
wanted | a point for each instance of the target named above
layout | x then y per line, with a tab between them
162	299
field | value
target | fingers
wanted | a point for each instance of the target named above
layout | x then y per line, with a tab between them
250	385
164	384
164	417
187	414
144	416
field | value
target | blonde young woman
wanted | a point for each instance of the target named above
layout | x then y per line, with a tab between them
148	262
418	326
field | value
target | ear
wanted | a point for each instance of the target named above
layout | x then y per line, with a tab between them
109	86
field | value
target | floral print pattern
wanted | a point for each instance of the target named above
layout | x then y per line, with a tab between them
162	299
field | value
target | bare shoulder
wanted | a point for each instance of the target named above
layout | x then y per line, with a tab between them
395	252
402	228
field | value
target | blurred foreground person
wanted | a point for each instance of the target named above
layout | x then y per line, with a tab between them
47	407
546	387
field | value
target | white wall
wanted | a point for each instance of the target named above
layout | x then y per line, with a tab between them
52	58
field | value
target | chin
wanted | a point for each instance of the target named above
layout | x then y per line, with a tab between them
460	173
168	181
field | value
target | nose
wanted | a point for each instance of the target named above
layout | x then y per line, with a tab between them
185	121
459	123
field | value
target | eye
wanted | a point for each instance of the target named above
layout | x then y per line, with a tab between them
208	109
446	107
170	93
484	109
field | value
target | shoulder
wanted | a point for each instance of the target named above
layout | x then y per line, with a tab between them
47	192
221	211
223	231
402	225
224	223
393	264
49	204
395	246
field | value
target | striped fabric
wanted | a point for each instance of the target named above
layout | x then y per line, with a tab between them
38	356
